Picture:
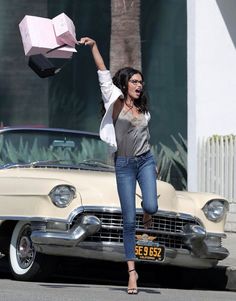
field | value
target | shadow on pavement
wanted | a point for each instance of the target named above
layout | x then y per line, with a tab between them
71	270
155	276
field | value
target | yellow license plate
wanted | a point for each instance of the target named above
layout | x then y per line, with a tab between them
150	252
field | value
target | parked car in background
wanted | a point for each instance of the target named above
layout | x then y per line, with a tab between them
58	197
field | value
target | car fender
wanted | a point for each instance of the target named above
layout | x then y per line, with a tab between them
28	198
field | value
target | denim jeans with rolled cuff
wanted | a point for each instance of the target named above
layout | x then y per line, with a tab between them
129	170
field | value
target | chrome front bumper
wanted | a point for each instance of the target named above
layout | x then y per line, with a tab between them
115	252
196	239
72	243
41	236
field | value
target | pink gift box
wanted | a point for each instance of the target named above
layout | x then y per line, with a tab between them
38	36
64	30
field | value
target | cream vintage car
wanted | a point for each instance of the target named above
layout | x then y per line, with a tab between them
58	197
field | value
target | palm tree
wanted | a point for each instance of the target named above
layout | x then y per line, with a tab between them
125	47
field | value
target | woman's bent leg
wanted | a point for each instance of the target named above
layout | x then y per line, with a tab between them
147	183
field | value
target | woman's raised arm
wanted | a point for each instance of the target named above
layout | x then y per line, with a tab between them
95	52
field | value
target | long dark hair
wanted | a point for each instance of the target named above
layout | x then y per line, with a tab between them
121	79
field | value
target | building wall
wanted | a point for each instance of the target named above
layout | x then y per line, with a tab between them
164	64
23	95
211	76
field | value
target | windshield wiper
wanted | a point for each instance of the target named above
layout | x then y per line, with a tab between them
13	165
45	162
95	163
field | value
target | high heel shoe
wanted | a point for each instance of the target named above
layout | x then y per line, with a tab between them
133	290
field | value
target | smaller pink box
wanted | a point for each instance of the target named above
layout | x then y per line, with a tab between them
64	30
38	36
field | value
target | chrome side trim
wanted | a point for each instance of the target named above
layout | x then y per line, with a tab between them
220	235
71	216
32	218
83	209
139	210
74	213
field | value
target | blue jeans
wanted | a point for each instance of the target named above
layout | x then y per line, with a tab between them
129	170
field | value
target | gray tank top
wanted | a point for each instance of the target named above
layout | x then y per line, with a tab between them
132	134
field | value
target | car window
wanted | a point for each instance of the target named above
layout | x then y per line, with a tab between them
66	148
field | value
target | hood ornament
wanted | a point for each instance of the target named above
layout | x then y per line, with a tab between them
145	238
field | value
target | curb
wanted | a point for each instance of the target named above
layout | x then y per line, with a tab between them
231	276
229	263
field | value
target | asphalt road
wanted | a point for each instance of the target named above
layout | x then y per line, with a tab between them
86	280
89	272
47	291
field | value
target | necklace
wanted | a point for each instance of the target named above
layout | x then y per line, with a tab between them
130	106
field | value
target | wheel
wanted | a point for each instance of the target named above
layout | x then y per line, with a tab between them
25	263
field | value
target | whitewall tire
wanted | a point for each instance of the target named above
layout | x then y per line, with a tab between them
25	263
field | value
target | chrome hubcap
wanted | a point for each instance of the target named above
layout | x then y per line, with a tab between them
25	250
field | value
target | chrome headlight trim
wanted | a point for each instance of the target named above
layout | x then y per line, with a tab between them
216	209
62	195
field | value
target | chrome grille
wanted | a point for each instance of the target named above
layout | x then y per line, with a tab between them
167	229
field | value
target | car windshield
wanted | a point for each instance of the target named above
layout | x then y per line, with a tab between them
49	148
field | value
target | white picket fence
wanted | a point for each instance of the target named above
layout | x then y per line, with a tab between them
217	171
217	166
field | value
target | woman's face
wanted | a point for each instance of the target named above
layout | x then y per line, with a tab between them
135	86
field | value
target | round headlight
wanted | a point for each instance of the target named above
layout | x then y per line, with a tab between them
215	210
62	195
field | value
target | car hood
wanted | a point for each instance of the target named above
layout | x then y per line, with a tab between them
24	194
93	188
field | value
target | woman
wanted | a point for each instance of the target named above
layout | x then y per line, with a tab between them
125	128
